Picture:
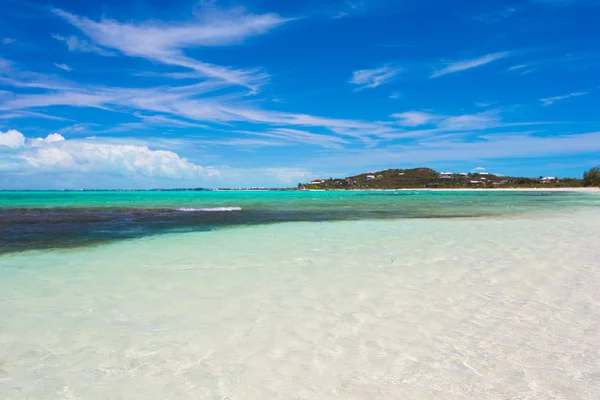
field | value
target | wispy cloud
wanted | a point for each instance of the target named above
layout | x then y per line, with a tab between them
182	107
547	101
578	60
154	104
511	146
415	118
161	120
75	44
480	121
350	7
372	78
463	65
302	136
165	43
465	122
517	67
64	67
171	106
242	142
521	69
31	114
8	40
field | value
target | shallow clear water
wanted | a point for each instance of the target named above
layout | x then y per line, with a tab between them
505	305
47	220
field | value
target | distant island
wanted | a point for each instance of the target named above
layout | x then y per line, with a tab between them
417	178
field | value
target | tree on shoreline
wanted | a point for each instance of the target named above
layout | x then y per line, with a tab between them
592	177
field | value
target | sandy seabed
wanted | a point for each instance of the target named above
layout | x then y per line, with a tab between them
483	308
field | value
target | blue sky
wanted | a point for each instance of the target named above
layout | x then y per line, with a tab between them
146	94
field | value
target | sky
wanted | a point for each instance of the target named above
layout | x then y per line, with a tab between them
188	93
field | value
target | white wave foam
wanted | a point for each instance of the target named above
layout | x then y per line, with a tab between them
211	209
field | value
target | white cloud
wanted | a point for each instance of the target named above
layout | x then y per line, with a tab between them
63	67
484	120
12	139
468	64
8	40
372	78
465	122
52	138
56	155
395	95
165	42
75	44
547	101
479	169
415	118
74	99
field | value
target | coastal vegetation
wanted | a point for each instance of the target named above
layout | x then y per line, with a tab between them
429	178
592	177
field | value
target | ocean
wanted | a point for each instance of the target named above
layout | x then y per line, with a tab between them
300	295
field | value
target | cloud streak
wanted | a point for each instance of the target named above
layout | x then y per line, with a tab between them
548	101
74	44
415	118
464	65
304	137
165	43
64	67
464	122
180	107
372	78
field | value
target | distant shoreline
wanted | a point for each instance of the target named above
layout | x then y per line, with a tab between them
506	189
466	189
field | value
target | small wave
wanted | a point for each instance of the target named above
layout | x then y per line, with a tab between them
211	209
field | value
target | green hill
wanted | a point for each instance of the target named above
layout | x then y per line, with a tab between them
427	177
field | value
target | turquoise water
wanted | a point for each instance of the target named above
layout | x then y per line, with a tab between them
47	220
291	199
300	295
